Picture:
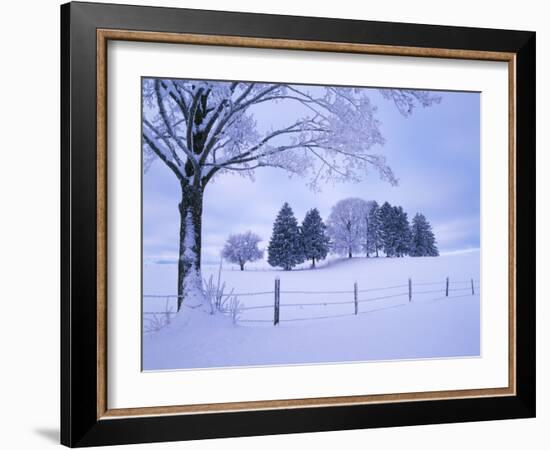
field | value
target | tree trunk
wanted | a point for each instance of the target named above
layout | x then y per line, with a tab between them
242	266
189	261
313	262
349	254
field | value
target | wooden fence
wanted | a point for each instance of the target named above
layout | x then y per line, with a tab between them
409	291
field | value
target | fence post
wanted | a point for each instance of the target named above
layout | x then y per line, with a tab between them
472	281
277	301
410	289
355	297
447	288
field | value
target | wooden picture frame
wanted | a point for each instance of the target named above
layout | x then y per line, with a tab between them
86	418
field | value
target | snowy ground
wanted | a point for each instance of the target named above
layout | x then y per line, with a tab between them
431	326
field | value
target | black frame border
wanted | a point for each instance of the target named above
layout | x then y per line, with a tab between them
79	423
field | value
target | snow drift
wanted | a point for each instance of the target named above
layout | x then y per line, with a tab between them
318	323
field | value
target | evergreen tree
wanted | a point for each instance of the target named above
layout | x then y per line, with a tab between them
387	229
402	232
374	229
366	242
395	232
422	238
285	248
314	238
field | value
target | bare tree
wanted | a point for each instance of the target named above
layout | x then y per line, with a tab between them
242	248
201	129
346	225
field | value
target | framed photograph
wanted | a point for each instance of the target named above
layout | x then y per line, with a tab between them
276	224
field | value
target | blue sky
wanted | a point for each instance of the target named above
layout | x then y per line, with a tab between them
435	154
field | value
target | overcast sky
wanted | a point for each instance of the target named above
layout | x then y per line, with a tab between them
434	153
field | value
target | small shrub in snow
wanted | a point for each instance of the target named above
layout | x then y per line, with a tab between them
218	301
214	294
233	307
155	322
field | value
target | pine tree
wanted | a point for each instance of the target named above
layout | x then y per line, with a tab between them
374	229
366	242
314	238
285	248
422	239
402	232
387	229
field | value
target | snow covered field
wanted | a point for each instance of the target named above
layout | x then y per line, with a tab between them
319	325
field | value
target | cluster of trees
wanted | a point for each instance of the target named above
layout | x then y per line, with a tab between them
291	244
354	226
359	226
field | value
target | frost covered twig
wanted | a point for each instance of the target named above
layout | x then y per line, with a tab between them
219	301
157	321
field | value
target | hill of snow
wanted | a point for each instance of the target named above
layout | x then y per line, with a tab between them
318	324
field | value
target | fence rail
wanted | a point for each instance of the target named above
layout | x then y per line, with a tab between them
408	291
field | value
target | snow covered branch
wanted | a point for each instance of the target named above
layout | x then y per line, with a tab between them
202	128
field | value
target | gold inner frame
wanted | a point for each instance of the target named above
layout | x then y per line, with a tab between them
104	35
